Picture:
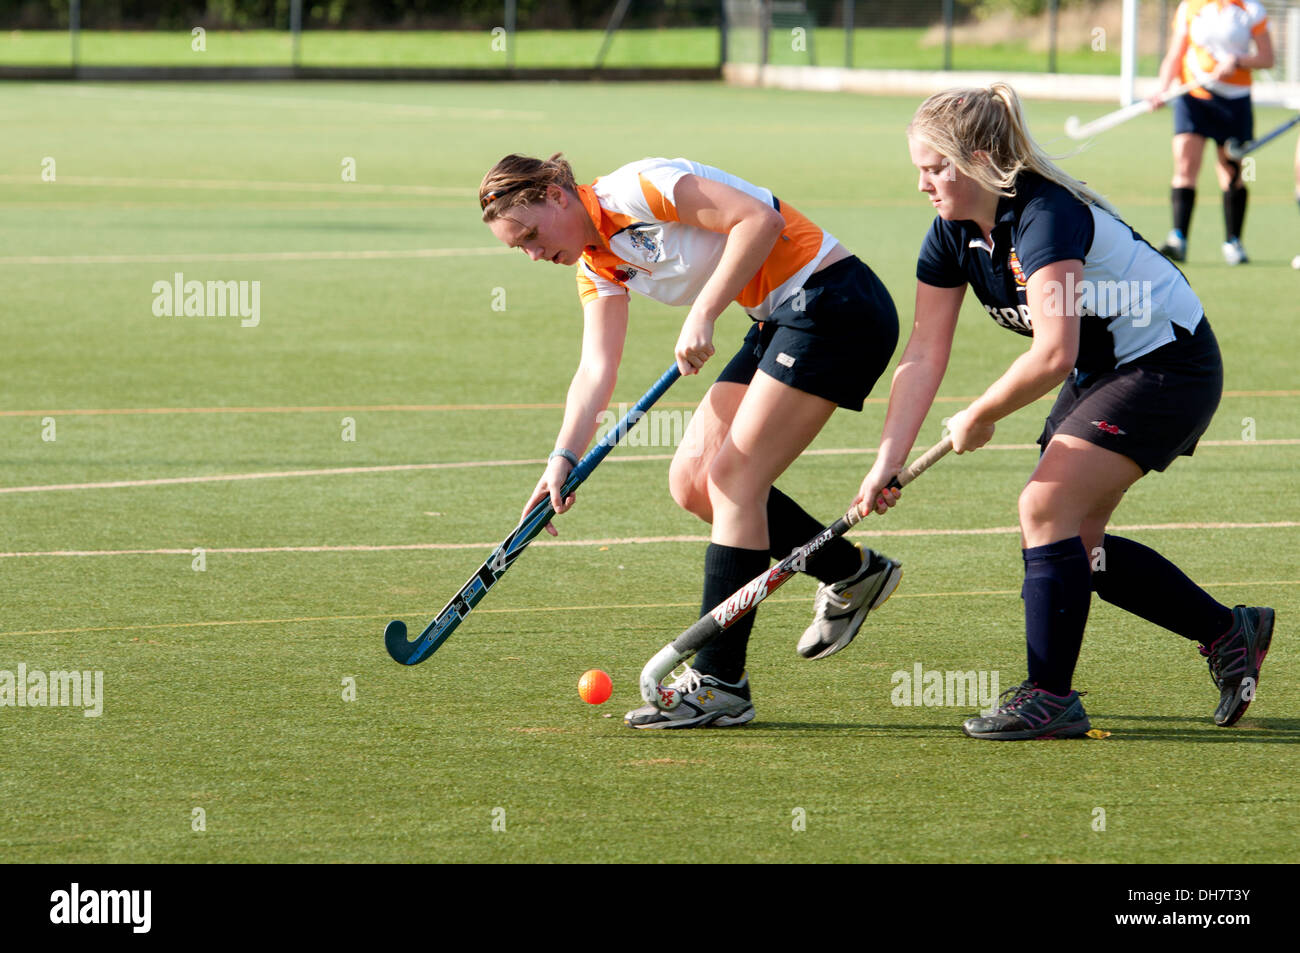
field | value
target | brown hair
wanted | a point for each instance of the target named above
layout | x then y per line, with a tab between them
957	123
521	180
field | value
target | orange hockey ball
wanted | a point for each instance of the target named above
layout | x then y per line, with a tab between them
595	687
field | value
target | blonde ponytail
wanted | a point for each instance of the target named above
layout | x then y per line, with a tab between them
958	123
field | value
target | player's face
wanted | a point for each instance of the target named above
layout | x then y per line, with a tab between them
952	194
552	230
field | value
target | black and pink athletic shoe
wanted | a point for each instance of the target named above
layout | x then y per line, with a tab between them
1032	712
1235	659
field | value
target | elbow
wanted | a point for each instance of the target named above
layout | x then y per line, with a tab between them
1058	365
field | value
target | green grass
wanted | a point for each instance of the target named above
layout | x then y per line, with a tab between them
892	48
224	687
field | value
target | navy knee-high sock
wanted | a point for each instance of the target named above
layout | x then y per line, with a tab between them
726	569
1183	202
1057	591
789	526
1141	581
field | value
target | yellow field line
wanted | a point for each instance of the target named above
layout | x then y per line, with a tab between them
453	408
241	185
423	613
611	541
474	464
170	257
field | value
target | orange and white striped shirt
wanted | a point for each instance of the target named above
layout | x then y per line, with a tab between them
649	251
1216	30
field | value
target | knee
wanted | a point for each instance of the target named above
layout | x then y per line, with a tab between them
688	484
729	479
1039	508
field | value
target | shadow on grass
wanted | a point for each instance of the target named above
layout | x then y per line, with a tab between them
1252	730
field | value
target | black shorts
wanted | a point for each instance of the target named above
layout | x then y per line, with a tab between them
1217	118
833	339
1151	410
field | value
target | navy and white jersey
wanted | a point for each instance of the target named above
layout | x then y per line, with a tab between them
1130	297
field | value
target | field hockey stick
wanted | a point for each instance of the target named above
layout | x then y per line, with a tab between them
743	601
1238	150
412	652
1076	130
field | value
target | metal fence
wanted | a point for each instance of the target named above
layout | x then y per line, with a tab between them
493	38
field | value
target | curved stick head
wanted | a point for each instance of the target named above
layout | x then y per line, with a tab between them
653	691
1073	127
1233	148
399	647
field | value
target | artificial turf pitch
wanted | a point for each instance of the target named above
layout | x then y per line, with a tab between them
381	301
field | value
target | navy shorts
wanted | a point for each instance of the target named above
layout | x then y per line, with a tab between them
834	339
1152	410
1217	118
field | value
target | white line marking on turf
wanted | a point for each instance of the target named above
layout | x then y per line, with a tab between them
356	255
249	185
610	541
452	408
471	464
516	610
471	113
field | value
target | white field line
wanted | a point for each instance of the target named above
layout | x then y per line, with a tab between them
454	408
470	113
609	541
530	610
242	185
167	257
474	464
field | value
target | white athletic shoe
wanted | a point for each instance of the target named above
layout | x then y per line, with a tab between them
1295	262
1233	253
705	702
840	608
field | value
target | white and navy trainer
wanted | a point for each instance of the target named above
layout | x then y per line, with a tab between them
840	608
704	702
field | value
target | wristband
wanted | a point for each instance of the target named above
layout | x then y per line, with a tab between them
562	452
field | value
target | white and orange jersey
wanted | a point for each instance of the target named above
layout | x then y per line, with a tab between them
1216	30
649	251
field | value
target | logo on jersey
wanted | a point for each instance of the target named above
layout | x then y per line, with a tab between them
1109	428
1014	262
648	240
624	275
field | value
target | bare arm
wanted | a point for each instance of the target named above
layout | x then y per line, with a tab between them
920	370
603	335
752	229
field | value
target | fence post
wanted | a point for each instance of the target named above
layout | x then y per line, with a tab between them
74	31
848	33
1052	8
947	34
722	32
295	29
764	30
512	8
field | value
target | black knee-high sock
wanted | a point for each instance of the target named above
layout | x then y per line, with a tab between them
726	569
1183	201
1057	591
1141	581
789	526
1234	212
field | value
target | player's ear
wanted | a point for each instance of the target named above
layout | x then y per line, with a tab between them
557	195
